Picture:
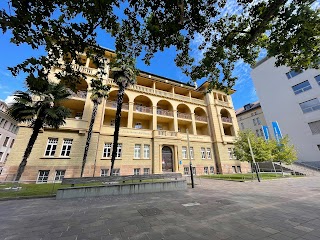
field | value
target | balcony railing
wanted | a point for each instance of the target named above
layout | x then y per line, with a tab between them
226	119
184	115
167	133
164	112
85	70
143	109
113	104
200	118
79	94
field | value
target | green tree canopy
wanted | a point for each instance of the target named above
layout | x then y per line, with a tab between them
261	149
288	29
283	151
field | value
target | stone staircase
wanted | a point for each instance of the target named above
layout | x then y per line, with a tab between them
299	168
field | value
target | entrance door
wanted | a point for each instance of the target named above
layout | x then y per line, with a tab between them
167	162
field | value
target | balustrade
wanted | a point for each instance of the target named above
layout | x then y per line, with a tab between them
184	115
113	104
200	118
164	112
167	133
226	119
79	94
143	109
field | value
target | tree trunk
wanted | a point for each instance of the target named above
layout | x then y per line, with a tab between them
86	149
117	126
37	126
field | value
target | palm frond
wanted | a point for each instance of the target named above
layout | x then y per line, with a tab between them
55	116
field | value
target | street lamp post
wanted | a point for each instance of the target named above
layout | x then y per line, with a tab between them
191	170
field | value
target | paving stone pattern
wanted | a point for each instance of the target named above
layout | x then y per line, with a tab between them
270	210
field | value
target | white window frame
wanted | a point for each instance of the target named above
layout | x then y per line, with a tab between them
186	170
146	171
191	153
107	149
146	151
119	150
184	152
230	153
60	175
211	170
51	147
206	170
136	171
66	147
104	172
43	176
234	169
1	156
6	141
137	151
194	170
208	153
116	172
239	169
203	153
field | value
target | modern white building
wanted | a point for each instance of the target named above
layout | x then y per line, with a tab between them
293	99
8	130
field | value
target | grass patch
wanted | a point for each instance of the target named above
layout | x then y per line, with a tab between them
247	176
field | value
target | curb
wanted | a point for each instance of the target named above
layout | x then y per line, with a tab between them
27	197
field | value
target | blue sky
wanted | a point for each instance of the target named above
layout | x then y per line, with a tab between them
162	64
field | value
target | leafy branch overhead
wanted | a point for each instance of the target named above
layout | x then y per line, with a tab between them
224	31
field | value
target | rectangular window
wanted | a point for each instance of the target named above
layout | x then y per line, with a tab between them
315	127
310	106
136	171
116	172
137	151
293	73
254	121
239	169
66	147
318	147
257	132
317	78
107	150
43	176
206	170
146	171
234	170
146	151
209	153
258	121
59	175
119	150
184	152
230	153
211	170
301	87
194	171
12	142
1	154
51	147
104	172
191	153
138	125
6	157
6	142
186	171
203	153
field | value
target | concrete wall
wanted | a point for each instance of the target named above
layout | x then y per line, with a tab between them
279	103
121	189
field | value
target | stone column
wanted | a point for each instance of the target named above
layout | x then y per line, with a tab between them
130	115
87	62
194	128
176	160
175	120
154	117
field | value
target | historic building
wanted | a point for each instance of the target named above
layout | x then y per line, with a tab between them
156	114
250	116
8	130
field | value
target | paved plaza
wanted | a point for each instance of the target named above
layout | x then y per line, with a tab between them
275	209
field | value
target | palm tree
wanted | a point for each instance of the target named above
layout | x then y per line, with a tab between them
99	91
39	106
124	74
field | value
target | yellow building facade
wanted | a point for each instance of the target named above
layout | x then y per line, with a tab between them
156	114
